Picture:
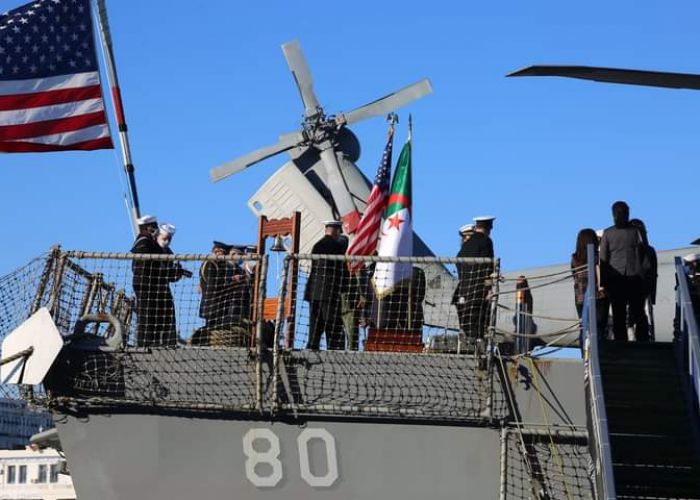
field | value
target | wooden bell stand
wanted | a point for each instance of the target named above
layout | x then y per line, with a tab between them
271	228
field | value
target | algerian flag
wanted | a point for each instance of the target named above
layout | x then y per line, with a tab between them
397	229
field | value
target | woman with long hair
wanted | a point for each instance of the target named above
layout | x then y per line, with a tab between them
644	328
579	260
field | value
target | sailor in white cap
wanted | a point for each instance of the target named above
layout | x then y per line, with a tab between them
165	235
471	295
466	229
333	223
145	240
146	219
692	264
334	229
155	309
466	232
485	222
164	239
323	289
479	244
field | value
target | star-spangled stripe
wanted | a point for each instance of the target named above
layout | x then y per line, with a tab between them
38	99
50	94
44	113
368	229
12	87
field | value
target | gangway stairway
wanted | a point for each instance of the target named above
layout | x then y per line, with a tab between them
653	431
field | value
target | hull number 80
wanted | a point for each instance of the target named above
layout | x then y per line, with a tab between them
269	475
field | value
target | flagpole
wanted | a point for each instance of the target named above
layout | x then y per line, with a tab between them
119	112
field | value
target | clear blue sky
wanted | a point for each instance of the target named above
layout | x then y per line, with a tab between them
205	81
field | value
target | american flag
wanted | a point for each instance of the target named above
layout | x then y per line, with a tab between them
50	94
367	233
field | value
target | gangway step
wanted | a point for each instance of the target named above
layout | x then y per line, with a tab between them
671	421
653	450
657	482
652	440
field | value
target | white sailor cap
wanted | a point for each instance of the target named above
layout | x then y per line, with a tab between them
467	228
692	257
484	220
146	219
168	229
333	223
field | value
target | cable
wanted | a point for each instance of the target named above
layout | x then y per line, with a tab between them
574	270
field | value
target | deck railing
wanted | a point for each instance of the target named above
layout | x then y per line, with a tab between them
597	420
205	332
688	325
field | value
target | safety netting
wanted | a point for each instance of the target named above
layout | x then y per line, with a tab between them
320	334
391	337
414	338
374	304
22	292
545	463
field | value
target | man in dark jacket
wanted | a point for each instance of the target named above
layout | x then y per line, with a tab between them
622	273
216	281
471	296
327	279
242	288
155	309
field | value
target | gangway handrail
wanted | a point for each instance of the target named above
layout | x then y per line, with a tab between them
690	334
599	440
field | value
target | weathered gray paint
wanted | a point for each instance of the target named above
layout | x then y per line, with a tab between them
552	393
166	457
198	455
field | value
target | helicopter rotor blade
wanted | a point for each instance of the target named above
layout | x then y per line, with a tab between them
302	76
338	187
390	102
285	143
615	75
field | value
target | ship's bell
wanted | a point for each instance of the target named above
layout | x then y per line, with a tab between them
278	245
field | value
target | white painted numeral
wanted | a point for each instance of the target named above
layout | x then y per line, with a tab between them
269	457
331	458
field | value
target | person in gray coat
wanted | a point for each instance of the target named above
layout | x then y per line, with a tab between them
622	273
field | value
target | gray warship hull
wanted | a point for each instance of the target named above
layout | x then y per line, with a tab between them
453	445
226	419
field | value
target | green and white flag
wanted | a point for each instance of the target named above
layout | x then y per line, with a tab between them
397	229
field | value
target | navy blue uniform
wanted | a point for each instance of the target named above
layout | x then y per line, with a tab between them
471	295
155	309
